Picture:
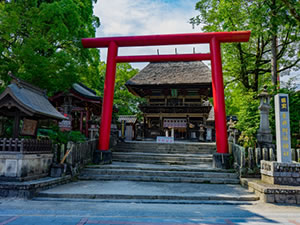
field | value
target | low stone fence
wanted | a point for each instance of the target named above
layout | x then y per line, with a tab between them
24	159
248	160
76	155
25	146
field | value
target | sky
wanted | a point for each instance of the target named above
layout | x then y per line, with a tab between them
146	17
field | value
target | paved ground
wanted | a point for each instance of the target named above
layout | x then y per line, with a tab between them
67	212
148	189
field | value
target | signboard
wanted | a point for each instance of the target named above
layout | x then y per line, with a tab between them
175	123
66	125
162	139
29	127
282	117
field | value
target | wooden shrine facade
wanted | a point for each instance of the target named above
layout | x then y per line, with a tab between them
82	107
176	96
24	102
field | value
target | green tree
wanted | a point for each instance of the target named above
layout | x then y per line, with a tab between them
250	63
126	102
40	41
273	47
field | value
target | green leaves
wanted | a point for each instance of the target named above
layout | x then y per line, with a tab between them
40	41
248	62
126	102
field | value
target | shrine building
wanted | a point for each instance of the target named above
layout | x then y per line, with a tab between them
82	107
176	95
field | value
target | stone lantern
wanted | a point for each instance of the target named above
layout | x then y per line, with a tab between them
201	132
264	135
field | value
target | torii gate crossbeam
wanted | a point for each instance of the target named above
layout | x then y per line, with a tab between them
213	39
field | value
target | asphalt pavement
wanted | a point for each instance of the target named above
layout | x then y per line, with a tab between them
79	212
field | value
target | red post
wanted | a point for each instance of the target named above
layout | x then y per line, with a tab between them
218	96
108	97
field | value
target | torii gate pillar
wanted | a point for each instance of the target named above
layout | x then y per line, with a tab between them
213	39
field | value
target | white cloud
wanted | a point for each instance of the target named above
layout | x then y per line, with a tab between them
142	17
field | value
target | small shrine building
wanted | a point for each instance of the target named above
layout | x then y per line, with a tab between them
176	96
23	101
82	107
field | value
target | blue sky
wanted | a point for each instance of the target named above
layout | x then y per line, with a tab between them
143	17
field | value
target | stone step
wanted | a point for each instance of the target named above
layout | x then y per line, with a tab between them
159	179
165	199
139	172
163	155
164	162
169	151
166	148
179	159
171	193
143	166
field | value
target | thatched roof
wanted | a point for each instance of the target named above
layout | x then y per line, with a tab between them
172	73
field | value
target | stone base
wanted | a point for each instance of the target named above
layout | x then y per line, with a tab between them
102	157
58	170
221	160
272	193
22	167
280	173
28	189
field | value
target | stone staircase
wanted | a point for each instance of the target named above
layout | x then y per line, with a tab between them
154	162
141	172
183	153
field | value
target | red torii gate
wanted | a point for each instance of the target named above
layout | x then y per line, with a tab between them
213	39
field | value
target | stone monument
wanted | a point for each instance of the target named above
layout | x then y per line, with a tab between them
284	171
264	135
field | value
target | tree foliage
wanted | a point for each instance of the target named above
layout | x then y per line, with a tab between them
250	63
40	41
247	66
126	102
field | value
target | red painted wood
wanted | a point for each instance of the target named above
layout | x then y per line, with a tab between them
163	58
167	39
214	39
218	96
108	97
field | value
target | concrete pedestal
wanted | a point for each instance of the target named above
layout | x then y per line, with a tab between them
221	161
22	167
102	157
280	173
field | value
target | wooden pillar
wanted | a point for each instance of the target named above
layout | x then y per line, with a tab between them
145	126
87	118
16	125
187	127
81	122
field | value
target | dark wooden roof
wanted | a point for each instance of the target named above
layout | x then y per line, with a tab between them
28	99
86	92
172	73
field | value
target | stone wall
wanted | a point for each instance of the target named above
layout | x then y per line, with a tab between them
280	173
21	167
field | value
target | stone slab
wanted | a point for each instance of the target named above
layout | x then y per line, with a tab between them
28	189
272	193
148	190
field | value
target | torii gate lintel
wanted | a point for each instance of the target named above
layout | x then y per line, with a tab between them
213	39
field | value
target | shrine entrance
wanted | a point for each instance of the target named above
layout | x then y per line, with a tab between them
213	39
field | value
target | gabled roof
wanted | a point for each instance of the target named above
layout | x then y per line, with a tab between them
84	91
172	73
29	99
